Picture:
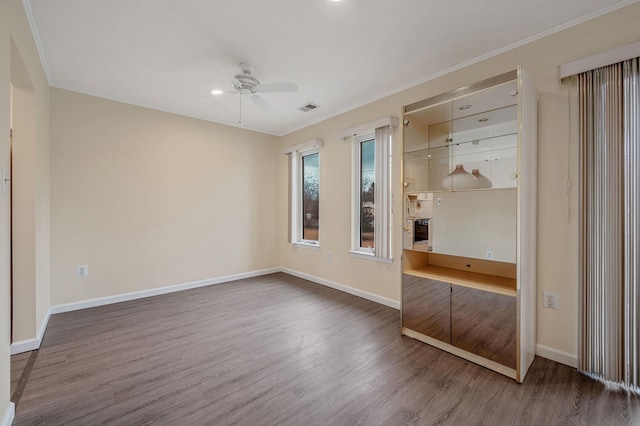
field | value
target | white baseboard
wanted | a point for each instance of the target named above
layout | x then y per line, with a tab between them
31	344
345	288
25	346
558	356
101	301
544	351
9	414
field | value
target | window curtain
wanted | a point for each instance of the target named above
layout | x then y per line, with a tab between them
609	109
382	202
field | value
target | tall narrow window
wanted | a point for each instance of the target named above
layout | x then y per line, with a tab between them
304	194
310	212
371	194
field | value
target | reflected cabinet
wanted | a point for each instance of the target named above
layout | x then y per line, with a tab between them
469	222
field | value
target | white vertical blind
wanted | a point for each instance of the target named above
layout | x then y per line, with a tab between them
382	202
609	100
631	110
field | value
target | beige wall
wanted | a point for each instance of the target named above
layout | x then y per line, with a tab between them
557	207
148	199
23	213
20	65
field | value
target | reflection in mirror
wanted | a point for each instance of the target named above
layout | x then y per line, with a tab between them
475	224
478	224
480	146
477	132
469	144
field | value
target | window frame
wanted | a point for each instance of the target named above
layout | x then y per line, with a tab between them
383	217
356	238
297	187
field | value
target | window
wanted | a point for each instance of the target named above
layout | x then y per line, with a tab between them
310	195
305	193
367	177
371	194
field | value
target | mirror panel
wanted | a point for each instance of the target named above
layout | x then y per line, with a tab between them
478	224
484	323
468	145
426	307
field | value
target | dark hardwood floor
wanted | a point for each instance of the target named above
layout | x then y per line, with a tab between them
280	350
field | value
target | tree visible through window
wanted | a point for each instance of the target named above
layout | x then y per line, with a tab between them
367	192
310	197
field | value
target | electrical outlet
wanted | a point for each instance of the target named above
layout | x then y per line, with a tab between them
82	270
329	256
439	201
550	300
489	254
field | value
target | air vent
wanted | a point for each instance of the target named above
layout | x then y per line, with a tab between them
308	107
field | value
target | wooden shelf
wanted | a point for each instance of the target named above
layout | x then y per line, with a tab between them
491	283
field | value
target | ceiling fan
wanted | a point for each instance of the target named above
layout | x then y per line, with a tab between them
247	84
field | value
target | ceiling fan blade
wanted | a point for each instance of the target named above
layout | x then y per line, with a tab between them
262	104
277	87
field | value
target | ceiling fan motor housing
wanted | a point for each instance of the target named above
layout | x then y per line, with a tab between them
245	83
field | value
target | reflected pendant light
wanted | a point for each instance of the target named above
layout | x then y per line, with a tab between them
483	181
459	179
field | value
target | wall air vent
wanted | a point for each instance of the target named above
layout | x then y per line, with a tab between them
308	107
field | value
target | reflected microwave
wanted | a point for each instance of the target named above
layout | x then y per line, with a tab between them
421	231
418	234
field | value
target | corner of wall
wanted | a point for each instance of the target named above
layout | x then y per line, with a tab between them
9	415
34	343
557	355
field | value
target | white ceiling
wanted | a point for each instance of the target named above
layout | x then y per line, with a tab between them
169	54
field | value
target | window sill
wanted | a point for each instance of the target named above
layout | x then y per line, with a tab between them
307	246
367	256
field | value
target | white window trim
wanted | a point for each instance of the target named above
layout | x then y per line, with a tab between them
382	199
296	191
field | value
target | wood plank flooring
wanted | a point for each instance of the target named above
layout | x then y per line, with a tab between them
280	350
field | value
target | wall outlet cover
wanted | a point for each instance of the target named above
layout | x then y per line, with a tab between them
82	270
550	300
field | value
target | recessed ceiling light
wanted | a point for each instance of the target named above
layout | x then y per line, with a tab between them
483	120
463	107
216	92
